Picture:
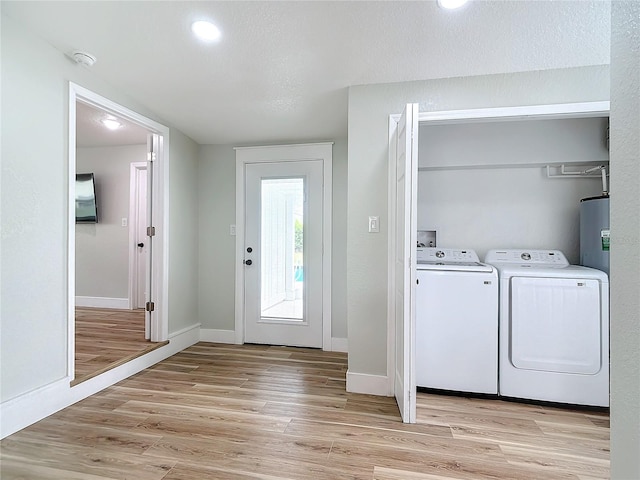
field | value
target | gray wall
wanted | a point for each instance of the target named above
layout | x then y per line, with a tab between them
625	240
369	110
102	249
509	207
34	210
216	198
183	232
217	210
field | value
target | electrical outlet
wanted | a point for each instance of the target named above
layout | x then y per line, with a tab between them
232	230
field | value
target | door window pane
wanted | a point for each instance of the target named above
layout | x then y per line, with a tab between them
282	249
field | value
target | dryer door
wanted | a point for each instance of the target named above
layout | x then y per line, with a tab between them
556	325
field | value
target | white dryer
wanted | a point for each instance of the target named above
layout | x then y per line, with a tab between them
456	322
554	328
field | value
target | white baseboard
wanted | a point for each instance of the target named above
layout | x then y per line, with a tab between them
103	302
28	408
368	384
339	345
217	336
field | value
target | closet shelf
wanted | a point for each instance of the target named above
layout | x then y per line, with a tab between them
554	170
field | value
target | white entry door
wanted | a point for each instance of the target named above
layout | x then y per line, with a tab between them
283	253
406	160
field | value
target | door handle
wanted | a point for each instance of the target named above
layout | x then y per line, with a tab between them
248	262
141	245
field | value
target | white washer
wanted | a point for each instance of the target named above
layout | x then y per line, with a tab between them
456	322
554	328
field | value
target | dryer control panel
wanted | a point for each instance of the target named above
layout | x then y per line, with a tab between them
549	258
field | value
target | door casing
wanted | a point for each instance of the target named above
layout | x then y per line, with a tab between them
159	328
274	154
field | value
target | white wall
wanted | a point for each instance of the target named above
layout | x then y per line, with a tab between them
625	240
216	194
508	207
369	110
102	249
34	293
503	208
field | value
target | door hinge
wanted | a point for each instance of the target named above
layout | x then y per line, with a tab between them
151	231
150	307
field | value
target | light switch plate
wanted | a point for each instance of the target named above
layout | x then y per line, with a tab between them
125	221
374	224
232	230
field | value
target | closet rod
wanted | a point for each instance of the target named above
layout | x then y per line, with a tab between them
547	165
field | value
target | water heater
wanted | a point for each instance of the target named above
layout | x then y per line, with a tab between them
594	232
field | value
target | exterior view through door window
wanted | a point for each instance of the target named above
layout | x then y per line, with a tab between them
282	257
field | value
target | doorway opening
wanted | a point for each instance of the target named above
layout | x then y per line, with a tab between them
116	257
402	243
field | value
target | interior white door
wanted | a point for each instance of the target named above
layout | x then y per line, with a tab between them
153	150
283	253
405	269
141	237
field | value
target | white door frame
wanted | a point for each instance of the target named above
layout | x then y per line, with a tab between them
531	112
134	194
285	153
160	194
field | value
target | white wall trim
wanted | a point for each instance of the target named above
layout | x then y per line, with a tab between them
561	110
103	302
28	408
339	344
369	384
391	239
160	200
217	336
285	153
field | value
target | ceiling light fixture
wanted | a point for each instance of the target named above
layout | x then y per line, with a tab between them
206	31
111	124
451	4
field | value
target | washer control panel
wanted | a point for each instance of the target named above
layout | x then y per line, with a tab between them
448	255
549	258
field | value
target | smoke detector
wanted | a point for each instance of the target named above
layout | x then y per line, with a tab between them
83	58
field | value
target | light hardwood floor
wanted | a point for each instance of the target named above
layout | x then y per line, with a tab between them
258	412
106	338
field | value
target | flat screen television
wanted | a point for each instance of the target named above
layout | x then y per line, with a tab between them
86	209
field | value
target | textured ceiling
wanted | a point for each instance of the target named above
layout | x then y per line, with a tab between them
282	69
90	132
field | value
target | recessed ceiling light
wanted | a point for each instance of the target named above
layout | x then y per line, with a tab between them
206	31
111	124
451	4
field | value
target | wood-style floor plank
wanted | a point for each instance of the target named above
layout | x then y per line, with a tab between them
106	338
259	412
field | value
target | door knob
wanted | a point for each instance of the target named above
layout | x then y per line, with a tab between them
249	249
141	245
248	262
